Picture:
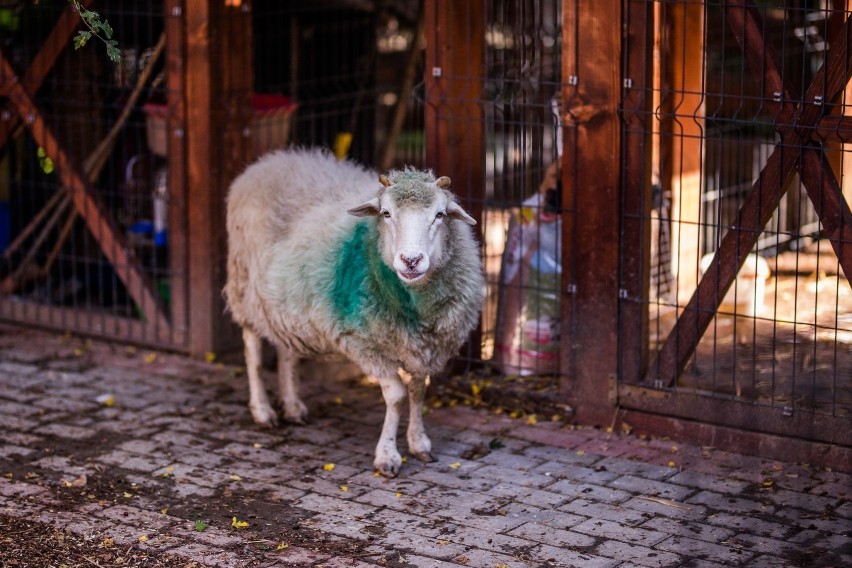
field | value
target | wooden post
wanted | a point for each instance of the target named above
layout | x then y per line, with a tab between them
636	186
686	28
454	124
218	85
591	71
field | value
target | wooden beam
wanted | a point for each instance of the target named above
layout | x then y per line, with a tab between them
454	121
636	187
218	85
87	203
591	193
58	39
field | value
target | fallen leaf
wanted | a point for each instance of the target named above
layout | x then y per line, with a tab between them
328	467
282	546
209	356
79	482
532	420
234	477
398	494
672	464
164	511
201	526
581	452
9	475
496	444
475	389
108	542
338	400
143	538
257	446
238	524
455	465
128	495
107	400
344	488
150	357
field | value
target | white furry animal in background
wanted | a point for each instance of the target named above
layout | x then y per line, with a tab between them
327	257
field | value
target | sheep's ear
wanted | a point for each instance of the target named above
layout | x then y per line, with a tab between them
455	211
366	209
443	182
385	181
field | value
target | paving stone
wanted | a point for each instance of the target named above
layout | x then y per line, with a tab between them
590	491
709	533
751	524
722	502
571	472
566	558
611	530
585	509
731	554
531	496
714	483
651	488
635	468
544	534
641	555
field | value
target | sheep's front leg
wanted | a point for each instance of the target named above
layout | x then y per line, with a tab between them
261	410
388	460
419	444
288	386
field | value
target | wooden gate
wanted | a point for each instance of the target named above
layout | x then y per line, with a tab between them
664	131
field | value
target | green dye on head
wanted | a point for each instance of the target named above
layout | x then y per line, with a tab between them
365	288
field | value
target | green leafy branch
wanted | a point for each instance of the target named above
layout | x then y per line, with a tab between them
97	28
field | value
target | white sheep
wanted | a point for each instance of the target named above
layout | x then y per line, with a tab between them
395	286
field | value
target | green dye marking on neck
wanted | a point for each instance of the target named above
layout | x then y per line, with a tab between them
365	288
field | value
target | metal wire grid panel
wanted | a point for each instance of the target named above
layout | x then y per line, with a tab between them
740	192
83	201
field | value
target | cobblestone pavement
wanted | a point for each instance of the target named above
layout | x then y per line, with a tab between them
157	453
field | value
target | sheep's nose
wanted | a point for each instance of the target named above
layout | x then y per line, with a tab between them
411	261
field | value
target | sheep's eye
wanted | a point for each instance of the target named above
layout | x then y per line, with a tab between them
440	215
385	213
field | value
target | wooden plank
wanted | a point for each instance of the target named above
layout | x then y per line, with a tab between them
636	190
454	121
594	147
830	205
87	203
218	48
58	39
741	414
759	444
176	160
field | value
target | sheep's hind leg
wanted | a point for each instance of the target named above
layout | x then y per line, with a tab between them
261	410
288	386
388	461
419	443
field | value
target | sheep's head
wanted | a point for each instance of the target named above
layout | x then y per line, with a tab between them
414	211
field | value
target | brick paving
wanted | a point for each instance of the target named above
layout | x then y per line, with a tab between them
158	452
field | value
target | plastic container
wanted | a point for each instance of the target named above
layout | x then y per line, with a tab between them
270	127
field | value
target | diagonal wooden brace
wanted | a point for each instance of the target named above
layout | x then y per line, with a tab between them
86	202
59	38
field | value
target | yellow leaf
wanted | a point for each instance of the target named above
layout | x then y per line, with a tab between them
344	488
127	495
328	467
143	538
164	511
108	543
209	356
672	463
257	446
150	357
377	474
455	465
234	477
107	400
475	389
768	483
238	524
9	475
581	452
404	459
282	546
338	400
398	494
532	420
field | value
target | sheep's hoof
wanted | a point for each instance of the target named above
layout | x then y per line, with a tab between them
265	417
295	413
388	469
425	457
